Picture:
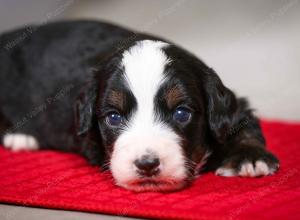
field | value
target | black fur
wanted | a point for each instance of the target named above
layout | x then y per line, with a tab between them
55	81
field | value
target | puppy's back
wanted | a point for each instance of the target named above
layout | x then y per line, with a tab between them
42	70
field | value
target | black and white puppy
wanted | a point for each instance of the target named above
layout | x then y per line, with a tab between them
148	110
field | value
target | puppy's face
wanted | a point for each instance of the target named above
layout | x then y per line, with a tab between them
151	118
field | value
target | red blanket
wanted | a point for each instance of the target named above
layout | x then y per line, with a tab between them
66	181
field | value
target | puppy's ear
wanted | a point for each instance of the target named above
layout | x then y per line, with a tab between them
222	106
85	109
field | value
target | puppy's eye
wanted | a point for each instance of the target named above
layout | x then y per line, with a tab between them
114	119
182	115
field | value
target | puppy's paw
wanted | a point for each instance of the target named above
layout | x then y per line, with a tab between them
19	142
249	162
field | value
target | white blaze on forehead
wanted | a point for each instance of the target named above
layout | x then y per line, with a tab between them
144	66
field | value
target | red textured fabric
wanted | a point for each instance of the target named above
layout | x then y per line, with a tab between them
66	181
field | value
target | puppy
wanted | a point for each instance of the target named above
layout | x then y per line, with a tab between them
149	111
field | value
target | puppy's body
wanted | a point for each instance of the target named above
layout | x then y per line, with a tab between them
42	76
150	109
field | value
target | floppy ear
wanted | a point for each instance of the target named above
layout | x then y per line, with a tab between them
222	106
87	127
85	109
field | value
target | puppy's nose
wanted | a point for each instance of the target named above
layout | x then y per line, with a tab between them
147	165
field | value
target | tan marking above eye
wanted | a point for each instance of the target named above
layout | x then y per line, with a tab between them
117	99
173	96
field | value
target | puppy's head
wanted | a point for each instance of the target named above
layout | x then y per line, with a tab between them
152	115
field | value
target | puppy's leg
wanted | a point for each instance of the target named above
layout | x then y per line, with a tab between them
249	163
15	141
238	139
18	142
245	154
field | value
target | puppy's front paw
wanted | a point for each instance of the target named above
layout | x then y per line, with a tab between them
18	142
249	162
